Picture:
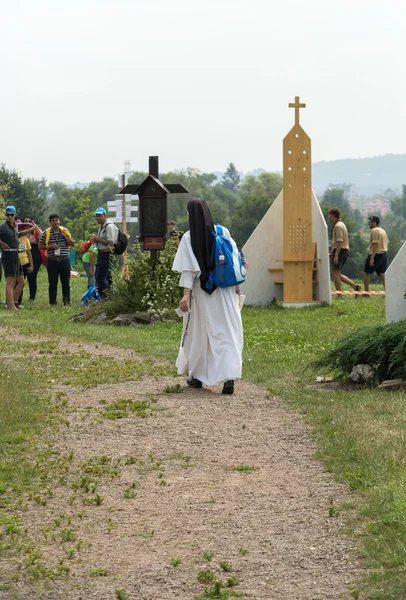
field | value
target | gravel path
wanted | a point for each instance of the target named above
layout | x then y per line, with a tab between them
202	479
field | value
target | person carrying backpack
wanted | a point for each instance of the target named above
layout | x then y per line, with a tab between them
104	241
212	337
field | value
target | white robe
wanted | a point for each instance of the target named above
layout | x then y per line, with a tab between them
212	337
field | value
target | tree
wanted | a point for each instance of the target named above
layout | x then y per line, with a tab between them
200	186
257	195
398	204
395	227
335	198
231	178
82	222
353	219
29	196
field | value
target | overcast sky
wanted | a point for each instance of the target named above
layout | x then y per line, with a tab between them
87	84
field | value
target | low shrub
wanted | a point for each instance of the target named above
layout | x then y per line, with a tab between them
146	285
381	346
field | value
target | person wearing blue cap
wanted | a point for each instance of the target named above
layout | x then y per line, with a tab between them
104	241
9	257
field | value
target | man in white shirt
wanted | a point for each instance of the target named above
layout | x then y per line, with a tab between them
104	240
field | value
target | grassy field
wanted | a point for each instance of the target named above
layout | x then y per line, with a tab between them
360	433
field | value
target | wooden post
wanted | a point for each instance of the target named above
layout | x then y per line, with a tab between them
124	214
153	207
298	249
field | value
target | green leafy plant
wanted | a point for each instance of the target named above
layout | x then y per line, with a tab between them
98	573
205	576
245	468
232	581
67	535
175	562
122	594
173	389
130	491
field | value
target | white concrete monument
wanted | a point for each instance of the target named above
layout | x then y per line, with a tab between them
288	253
395	278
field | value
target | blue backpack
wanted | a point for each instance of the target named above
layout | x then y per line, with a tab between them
90	294
228	269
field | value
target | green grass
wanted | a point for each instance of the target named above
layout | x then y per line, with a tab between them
22	410
360	433
119	409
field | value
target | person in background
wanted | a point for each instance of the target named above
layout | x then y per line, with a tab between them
89	260
172	233
57	241
340	249
9	256
34	238
378	248
171	229
26	261
104	240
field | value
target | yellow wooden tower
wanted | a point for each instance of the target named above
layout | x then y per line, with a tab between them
299	252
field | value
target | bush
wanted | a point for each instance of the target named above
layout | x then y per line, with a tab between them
146	285
381	346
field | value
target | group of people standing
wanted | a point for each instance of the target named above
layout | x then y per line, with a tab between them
24	247
21	257
376	261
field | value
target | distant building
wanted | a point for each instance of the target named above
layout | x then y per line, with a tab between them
369	206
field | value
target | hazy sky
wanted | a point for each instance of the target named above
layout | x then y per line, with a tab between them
87	84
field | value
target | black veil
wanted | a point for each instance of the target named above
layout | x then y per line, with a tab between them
201	227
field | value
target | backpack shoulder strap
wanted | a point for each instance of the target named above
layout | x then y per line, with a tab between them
65	230
47	236
107	224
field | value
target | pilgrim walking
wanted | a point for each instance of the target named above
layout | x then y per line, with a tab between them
212	337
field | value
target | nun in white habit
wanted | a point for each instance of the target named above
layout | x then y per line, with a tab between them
212	337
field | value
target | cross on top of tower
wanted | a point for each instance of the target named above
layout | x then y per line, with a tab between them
297	105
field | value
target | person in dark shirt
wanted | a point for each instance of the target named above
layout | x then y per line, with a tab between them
9	257
57	240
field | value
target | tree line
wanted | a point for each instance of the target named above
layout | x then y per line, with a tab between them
238	205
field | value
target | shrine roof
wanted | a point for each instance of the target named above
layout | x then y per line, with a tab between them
170	188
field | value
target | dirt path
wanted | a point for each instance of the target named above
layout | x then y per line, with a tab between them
189	480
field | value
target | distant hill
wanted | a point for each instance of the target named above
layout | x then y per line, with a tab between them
368	175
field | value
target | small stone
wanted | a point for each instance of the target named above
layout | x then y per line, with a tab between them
393	384
362	374
97	319
77	318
